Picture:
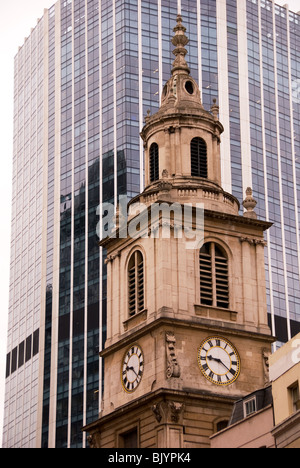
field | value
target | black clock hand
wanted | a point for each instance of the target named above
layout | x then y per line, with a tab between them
225	366
211	358
131	369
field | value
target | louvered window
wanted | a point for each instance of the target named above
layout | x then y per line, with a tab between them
154	163
206	281
214	279
221	271
199	158
136	283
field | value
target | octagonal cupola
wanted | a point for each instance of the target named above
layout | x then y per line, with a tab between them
182	139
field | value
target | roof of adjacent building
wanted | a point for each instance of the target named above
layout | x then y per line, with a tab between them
263	399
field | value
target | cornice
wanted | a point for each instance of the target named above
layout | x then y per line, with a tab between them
208	214
183	117
163	394
195	323
264	225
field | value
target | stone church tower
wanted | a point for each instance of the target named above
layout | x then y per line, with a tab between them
187	331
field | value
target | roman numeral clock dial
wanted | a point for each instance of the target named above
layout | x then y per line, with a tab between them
219	361
132	368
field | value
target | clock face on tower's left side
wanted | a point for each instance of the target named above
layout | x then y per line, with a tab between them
219	361
132	368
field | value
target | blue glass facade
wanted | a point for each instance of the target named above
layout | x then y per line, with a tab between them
274	114
106	63
209	52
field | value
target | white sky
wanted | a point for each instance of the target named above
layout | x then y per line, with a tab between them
16	20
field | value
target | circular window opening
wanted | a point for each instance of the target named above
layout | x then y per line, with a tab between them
189	87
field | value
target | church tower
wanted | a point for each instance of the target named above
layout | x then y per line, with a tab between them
187	331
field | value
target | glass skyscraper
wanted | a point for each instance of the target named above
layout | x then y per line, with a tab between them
84	81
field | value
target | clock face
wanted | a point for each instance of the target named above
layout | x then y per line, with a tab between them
219	361
132	368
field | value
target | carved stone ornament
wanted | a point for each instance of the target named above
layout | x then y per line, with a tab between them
111	258
148	115
157	412
215	110
266	363
173	368
249	204
168	412
92	440
153	231
165	186
254	241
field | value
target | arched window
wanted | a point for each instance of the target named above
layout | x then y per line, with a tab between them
198	158
214	281
136	283
154	163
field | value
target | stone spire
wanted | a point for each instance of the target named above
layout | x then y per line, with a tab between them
180	40
181	93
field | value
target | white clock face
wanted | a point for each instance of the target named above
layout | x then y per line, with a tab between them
219	361
132	368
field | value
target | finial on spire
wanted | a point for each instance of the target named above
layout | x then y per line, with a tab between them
180	40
